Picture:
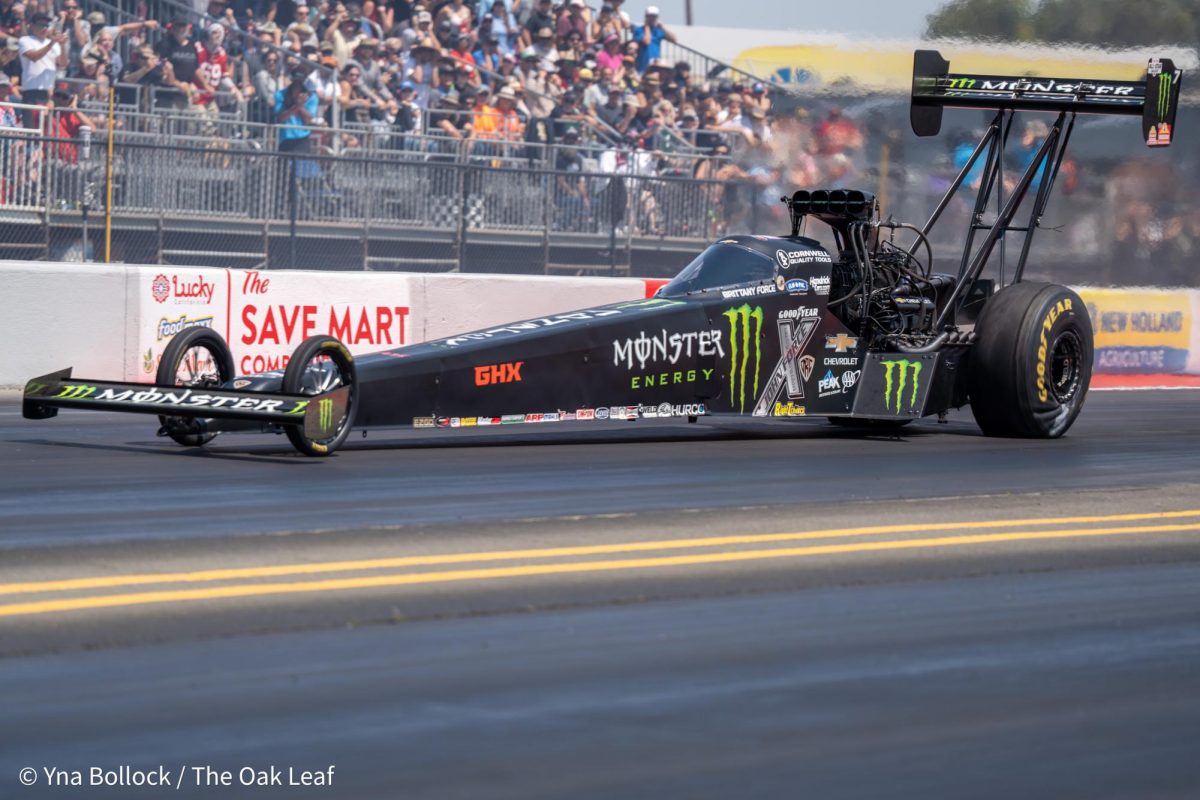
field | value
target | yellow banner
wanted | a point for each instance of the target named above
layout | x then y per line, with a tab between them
1139	318
888	68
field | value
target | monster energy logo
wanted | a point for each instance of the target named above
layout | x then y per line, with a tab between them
325	414
899	370
742	340
76	391
962	83
1164	95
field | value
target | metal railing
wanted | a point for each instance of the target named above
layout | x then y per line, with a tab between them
450	200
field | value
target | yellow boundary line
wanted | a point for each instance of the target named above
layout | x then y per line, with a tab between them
316	568
340	584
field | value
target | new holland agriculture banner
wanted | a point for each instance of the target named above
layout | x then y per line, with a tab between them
1141	331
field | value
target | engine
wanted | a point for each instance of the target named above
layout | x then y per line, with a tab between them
877	288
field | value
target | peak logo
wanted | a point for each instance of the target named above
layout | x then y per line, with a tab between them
745	334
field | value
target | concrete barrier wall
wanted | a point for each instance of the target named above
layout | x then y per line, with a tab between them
114	321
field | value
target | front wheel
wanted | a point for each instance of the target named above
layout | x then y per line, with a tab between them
1032	363
321	364
195	357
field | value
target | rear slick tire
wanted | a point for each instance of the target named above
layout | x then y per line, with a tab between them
1032	364
321	364
196	357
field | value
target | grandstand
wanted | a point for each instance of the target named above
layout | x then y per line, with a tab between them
440	136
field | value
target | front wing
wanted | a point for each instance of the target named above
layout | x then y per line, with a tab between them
321	415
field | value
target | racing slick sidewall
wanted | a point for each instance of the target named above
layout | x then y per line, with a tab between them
1033	363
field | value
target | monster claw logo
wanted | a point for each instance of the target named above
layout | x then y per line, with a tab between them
1164	95
896	376
325	412
76	391
742	339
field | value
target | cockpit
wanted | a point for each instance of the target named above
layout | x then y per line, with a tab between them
738	261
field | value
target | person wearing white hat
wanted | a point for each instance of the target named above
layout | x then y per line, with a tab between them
650	36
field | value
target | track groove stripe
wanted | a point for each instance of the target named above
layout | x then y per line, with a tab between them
114	581
340	584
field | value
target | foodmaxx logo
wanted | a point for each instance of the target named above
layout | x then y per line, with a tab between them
745	334
896	377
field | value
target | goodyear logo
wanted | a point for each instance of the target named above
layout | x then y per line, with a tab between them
899	375
745	334
1052	315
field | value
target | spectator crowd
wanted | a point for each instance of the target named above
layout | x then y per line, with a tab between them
488	78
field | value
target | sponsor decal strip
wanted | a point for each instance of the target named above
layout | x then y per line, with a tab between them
529	570
171	400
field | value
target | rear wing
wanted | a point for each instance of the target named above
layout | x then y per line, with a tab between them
1155	99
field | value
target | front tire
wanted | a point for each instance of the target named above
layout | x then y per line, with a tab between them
321	364
1032	364
195	357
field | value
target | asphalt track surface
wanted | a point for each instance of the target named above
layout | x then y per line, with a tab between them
611	610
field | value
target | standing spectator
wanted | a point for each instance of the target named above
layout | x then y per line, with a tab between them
146	70
10	61
575	20
489	55
612	111
541	17
8	116
178	50
622	17
649	36
12	17
424	72
836	134
458	14
535	84
72	23
323	81
295	112
567	115
591	93
360	104
759	98
268	82
104	39
606	24
66	121
543	45
408	115
43	52
504	27
611	57
509	126
573	202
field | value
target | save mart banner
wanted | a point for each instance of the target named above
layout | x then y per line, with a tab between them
1144	331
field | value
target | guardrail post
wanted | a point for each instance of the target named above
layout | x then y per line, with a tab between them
292	211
